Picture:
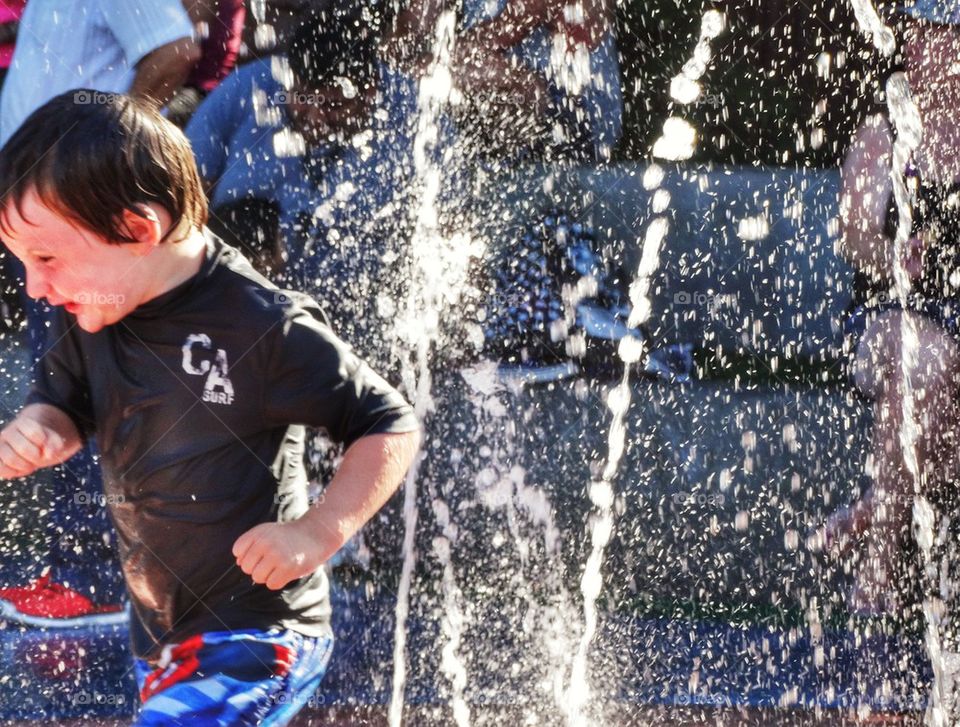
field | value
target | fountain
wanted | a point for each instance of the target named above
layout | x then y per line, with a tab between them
603	545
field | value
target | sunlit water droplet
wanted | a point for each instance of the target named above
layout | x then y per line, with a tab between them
678	141
713	24
753	228
653	177
630	349
742	521
684	90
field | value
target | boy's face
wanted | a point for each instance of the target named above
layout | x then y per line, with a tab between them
70	266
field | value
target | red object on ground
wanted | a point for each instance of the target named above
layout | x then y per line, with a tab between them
44	601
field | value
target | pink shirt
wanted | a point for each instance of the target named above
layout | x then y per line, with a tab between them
220	48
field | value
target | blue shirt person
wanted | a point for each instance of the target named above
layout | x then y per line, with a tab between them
336	161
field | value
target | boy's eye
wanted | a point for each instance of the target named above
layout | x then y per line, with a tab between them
44	258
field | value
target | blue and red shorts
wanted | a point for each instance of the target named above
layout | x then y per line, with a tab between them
232	678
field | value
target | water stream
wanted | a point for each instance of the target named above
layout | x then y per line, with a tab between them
905	118
418	331
677	142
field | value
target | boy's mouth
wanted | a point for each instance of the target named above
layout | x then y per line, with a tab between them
71	307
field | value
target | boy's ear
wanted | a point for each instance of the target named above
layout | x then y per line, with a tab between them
143	225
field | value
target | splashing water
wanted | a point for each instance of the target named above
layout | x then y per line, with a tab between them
264	36
872	26
417	332
258	9
685	87
681	140
453	622
502	487
905	117
678	141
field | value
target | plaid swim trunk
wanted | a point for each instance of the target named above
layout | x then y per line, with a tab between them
232	678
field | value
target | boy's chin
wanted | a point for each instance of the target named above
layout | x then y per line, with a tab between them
89	326
89	321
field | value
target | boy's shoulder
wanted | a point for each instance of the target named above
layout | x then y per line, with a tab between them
235	289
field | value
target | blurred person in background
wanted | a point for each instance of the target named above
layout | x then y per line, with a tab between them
271	24
878	525
535	79
324	133
533	82
11	314
144	48
10	12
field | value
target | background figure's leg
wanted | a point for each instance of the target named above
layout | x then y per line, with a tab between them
891	499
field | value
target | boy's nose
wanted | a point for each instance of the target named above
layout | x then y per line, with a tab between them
36	285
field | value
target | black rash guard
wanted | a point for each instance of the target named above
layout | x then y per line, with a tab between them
198	400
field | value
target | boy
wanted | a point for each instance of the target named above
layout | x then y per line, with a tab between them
196	376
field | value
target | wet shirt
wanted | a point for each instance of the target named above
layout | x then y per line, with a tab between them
198	400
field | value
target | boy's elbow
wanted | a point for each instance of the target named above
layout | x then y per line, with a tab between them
416	437
401	449
409	446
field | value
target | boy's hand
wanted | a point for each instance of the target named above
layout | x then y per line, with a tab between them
32	440
276	553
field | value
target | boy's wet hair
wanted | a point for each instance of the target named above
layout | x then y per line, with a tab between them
336	43
92	155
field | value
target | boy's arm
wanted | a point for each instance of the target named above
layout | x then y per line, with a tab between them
372	469
41	435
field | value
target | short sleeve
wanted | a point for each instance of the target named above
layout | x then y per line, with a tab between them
142	26
59	377
315	379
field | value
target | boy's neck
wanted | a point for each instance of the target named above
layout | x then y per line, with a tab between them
177	262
